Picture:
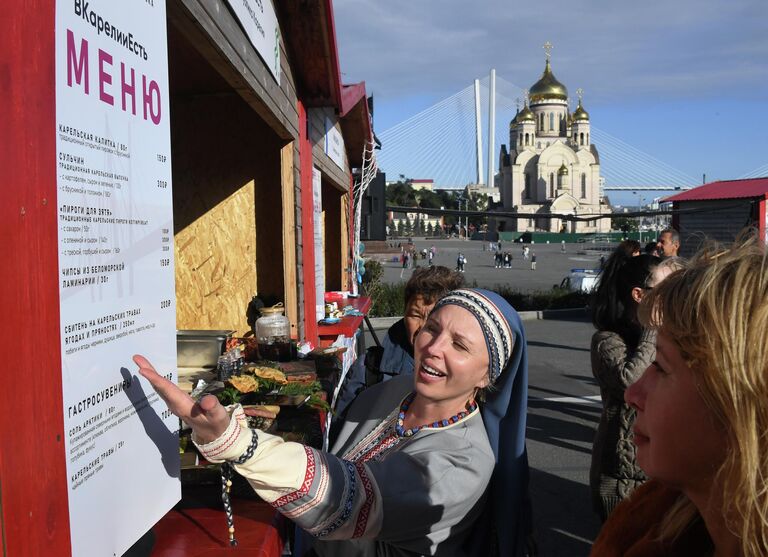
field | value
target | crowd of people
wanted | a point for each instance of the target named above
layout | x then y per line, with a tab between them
429	455
503	259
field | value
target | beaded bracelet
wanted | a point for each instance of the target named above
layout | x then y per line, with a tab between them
226	484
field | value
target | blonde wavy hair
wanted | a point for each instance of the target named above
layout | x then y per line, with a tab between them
716	310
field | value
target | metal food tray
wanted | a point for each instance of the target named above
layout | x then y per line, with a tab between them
200	348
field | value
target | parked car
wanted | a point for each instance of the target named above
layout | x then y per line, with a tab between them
584	280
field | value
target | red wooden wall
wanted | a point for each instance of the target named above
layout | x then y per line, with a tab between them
33	483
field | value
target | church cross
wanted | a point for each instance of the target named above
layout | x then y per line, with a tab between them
580	93
525	94
517	103
548	49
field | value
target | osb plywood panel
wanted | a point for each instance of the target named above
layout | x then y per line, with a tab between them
215	271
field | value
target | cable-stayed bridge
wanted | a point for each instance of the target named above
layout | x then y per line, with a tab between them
758	172
440	143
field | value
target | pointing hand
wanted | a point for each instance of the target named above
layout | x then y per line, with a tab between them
207	418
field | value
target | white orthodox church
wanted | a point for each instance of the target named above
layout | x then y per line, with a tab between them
552	167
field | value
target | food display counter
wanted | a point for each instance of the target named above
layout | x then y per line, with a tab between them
347	334
347	325
197	525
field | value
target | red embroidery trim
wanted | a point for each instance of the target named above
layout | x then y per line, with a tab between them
385	444
370	495
309	477
228	442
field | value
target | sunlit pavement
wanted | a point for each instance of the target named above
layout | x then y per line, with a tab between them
552	265
563	411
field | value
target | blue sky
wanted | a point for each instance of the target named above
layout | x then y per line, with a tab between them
685	81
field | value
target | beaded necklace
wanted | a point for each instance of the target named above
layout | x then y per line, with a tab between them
402	432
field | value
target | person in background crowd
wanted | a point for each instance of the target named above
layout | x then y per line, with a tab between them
669	242
702	416
631	248
395	355
497	259
421	467
533	261
652	248
620	351
461	261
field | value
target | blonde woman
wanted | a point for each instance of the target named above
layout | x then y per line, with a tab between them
702	415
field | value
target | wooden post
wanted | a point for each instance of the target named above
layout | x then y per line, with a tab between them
344	209
289	238
350	256
307	227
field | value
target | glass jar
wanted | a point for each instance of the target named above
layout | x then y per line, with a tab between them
273	331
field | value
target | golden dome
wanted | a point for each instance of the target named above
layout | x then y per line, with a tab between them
580	115
563	170
548	87
526	115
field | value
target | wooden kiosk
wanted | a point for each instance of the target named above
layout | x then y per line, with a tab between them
206	143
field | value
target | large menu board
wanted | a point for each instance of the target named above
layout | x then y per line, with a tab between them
116	274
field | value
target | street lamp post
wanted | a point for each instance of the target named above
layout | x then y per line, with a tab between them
640	200
466	229
466	218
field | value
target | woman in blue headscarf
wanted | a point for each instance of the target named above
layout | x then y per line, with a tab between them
419	467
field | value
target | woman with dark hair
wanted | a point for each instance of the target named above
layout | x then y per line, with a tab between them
631	248
621	350
652	248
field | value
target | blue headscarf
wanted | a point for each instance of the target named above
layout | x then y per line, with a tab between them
507	513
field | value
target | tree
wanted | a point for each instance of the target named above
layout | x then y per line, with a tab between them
478	202
449	200
408	227
421	229
430	229
401	193
429	199
625	224
400	227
